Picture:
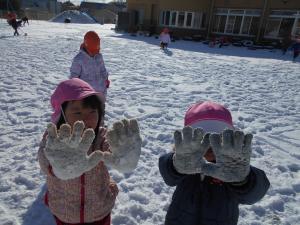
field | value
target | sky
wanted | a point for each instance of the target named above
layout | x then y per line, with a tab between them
77	2
260	87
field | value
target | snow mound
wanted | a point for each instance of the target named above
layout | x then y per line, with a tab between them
74	16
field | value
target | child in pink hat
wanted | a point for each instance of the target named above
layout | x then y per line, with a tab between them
164	38
210	167
76	150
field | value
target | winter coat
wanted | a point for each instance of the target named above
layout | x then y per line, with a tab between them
201	200
87	198
165	38
90	69
14	23
296	47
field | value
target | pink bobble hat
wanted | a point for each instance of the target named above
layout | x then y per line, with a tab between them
211	117
71	90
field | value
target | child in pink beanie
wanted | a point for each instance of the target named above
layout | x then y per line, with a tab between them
210	168
76	150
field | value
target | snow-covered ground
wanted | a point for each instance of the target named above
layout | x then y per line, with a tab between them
260	87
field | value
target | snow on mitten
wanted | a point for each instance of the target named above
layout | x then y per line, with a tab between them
125	145
233	151
67	152
190	146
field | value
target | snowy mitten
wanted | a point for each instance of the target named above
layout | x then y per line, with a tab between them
233	151
125	145
67	153
190	146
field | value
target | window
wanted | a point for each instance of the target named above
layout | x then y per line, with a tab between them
173	18
236	21
198	22
297	27
167	21
282	23
181	16
237	24
246	25
219	25
272	27
189	19
254	26
195	20
230	24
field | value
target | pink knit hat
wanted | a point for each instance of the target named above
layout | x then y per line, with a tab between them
68	90
209	116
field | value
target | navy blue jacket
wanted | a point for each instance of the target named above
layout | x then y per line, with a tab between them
208	201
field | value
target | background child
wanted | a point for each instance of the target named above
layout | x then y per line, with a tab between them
164	38
296	48
88	64
211	172
74	159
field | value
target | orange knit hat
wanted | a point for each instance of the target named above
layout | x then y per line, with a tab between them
92	42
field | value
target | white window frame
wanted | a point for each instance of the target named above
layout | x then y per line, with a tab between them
276	32
163	13
282	14
192	19
234	12
171	17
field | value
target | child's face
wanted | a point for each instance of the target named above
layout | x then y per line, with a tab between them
209	155
75	111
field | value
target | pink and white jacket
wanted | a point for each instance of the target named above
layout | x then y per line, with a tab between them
90	69
84	199
165	37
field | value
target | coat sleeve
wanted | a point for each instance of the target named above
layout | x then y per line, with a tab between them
103	70
46	168
254	189
76	68
167	170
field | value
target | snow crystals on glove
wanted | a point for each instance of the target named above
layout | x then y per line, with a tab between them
67	152
233	151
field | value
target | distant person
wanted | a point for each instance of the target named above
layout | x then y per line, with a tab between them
296	48
286	43
15	25
88	64
164	38
10	16
76	150
210	168
25	20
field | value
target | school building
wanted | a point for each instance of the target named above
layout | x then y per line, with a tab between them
255	19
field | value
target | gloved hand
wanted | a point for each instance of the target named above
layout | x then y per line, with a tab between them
190	146
125	145
233	151
67	153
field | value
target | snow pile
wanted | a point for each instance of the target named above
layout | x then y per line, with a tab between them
75	17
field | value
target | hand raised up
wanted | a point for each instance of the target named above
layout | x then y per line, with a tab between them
125	145
67	151
190	146
232	150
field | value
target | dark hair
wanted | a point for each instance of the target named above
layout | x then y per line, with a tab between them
88	102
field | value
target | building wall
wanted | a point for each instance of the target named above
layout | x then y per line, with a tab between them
103	16
239	4
149	12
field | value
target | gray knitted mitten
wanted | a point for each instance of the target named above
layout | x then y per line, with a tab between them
190	146
233	151
125	145
67	152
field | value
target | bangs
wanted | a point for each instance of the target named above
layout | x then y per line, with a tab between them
92	102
